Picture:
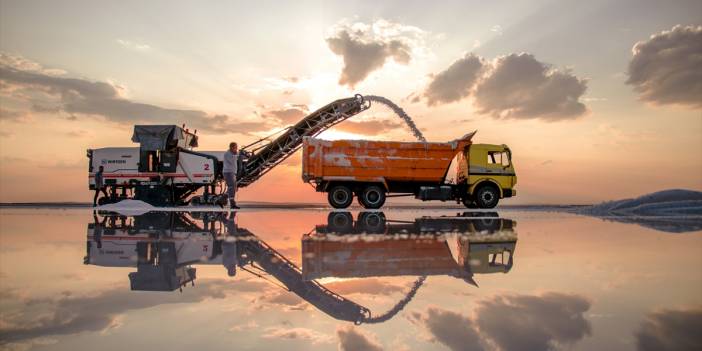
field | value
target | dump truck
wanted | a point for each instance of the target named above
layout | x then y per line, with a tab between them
375	170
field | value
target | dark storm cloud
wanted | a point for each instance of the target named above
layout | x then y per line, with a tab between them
80	96
366	48
352	339
452	329
455	82
512	86
671	330
533	322
667	68
67	314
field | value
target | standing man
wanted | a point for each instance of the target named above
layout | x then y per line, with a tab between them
229	169
99	184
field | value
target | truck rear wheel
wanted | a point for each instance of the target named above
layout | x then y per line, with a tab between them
340	196
487	196
372	197
371	222
340	222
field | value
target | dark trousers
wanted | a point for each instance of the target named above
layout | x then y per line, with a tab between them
97	193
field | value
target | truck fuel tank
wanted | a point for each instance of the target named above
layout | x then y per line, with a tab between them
442	193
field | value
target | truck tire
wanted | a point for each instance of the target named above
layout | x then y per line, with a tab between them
340	196
487	196
371	222
340	222
372	197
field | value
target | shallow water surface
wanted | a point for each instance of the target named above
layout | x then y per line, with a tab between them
312	279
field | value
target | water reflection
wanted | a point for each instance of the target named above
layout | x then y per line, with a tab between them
459	246
165	246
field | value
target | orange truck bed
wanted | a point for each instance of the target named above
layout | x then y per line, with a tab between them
378	161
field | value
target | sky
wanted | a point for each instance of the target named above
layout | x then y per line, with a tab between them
598	100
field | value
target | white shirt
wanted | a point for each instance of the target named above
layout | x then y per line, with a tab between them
230	162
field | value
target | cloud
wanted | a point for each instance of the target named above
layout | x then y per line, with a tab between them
13	115
666	68
133	45
289	114
371	286
66	314
533	322
353	339
286	299
671	330
510	322
85	97
373	127
366	47
513	86
304	334
452	329
519	86
455	82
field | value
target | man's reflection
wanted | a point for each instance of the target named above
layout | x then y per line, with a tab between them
229	254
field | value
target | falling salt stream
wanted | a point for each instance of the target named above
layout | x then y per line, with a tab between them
400	112
420	281
400	305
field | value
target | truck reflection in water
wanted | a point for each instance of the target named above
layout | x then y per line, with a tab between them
164	246
459	246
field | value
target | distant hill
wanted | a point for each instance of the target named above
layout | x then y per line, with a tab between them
673	211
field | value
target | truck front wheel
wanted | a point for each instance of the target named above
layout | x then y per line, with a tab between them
340	196
372	197
487	196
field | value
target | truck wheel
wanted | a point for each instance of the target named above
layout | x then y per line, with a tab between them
340	222
371	222
487	196
340	196
372	197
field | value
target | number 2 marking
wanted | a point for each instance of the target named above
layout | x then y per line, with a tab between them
207	166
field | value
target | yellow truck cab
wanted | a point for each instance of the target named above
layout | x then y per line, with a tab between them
488	174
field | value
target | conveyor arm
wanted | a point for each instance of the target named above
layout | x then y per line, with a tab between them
267	157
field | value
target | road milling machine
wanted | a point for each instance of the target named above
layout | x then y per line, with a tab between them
165	170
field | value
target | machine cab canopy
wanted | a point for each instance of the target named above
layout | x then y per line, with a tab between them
163	137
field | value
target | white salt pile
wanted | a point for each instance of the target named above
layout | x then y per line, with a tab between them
128	207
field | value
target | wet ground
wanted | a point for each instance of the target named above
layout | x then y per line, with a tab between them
312	279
